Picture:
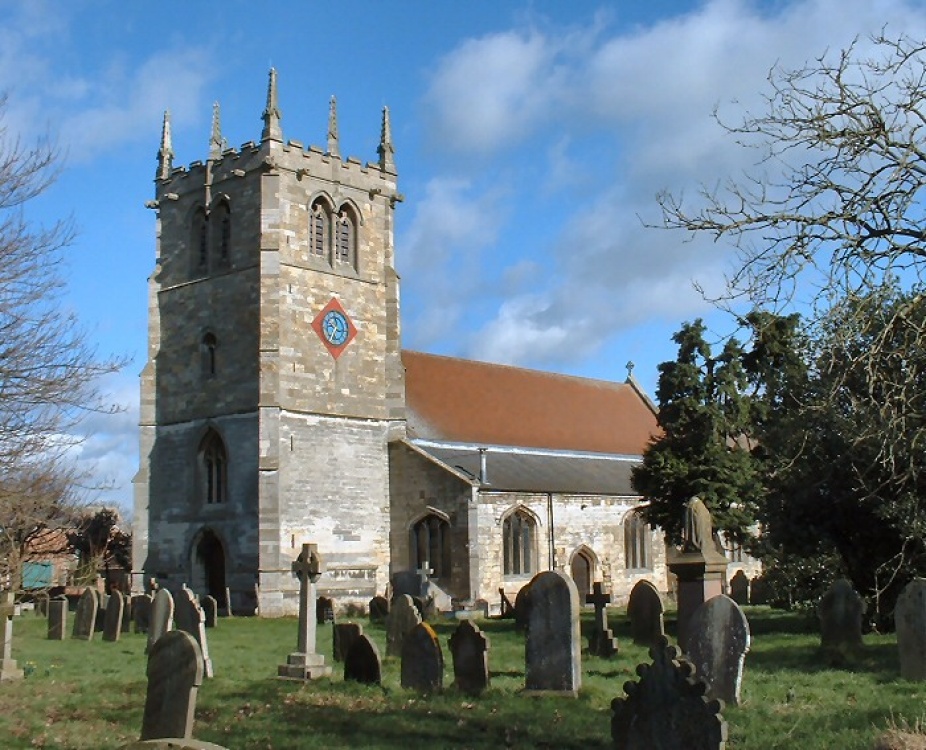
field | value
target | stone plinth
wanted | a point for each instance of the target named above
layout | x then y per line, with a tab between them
700	577
300	666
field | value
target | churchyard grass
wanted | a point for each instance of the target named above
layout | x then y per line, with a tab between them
91	695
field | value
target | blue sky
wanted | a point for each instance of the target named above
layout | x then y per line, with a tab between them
531	139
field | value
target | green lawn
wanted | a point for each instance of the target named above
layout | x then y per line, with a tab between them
91	695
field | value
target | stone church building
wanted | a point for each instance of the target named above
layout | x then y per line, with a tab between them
278	406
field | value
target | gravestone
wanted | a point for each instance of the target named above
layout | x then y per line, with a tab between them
666	709
8	669
840	612
522	607
759	590
112	622
362	662
403	616
102	600
228	603
304	663
404	582
422	660
470	650
910	619
175	672
553	653
210	611
141	612
717	646
324	610
57	618
41	604
190	618
126	613
739	588
343	635
602	641
85	616
379	609
645	610
162	617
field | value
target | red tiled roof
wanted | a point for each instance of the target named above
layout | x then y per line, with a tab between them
474	402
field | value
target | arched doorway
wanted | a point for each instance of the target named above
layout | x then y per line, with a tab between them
582	569
208	564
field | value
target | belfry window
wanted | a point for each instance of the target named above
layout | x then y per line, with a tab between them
214	468
637	543
430	543
519	531
200	241
318	231
220	222
345	238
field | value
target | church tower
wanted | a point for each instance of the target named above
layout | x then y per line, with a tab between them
274	380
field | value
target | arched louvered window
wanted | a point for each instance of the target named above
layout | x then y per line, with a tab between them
319	222
214	468
221	229
199	241
345	238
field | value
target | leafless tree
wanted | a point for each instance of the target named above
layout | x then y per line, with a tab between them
49	372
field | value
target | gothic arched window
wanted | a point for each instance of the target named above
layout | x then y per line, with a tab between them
220	222
199	239
319	223
213	461
345	238
430	543
637	543
519	532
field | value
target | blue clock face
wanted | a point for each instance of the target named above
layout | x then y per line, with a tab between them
335	327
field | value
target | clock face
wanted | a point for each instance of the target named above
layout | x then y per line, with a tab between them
335	327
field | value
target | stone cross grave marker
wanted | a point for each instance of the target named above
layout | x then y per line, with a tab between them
8	669
210	610
190	618
141	612
362	663
602	641
645	610
910	619
553	649
403	616
666	709
422	660
85	616
57	618
739	588
717	646
379	609
424	576
840	612
175	672
343	635
470	650
304	663
112	623
162	617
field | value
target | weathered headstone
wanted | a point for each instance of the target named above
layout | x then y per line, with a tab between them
840	612
141	612
8	669
717	646
41	604
422	660
522	607
379	609
126	613
645	610
112	623
57	618
324	610
343	635
910	620
362	663
553	651
102	600
175	672
304	663
210	610
190	618
162	617
601	642
85	616
666	709
403	616
470	648
759	590
739	588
